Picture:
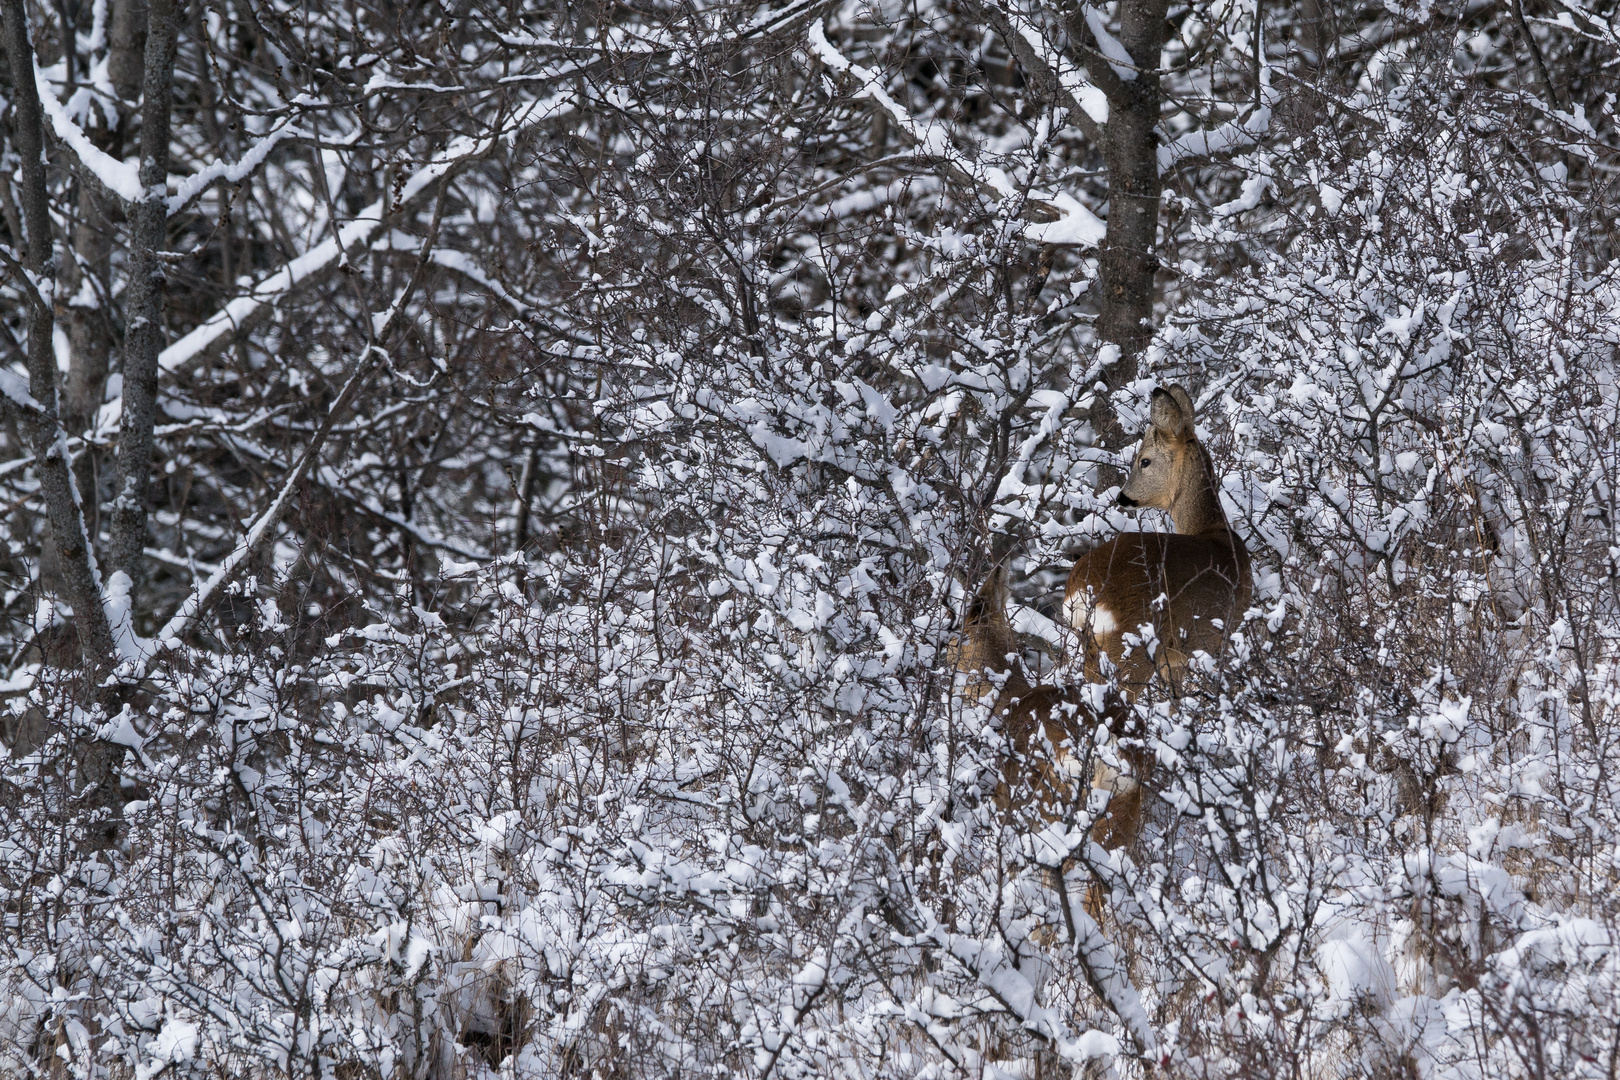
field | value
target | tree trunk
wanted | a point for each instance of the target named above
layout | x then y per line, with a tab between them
80	580
1130	149
88	344
126	44
143	340
87	277
1131	154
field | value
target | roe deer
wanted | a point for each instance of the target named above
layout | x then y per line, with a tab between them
1190	586
1029	715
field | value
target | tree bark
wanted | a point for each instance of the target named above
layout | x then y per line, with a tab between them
1130	148
87	278
89	345
1131	155
1042	81
80	580
126	44
143	339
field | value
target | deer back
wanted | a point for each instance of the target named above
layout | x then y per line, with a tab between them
1190	589
1043	725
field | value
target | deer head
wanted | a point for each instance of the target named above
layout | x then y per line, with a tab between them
1172	470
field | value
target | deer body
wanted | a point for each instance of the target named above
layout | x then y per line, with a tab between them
1191	586
1042	724
1188	588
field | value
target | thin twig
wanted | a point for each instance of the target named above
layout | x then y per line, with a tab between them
203	597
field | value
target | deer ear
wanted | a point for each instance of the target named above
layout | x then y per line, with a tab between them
990	601
1185	400
1167	414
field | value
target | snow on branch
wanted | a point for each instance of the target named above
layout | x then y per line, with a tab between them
207	594
933	141
773	19
193	186
15	390
1237	134
1051	74
1089	97
119	178
1107	975
328	477
1077	226
353	234
1119	59
999	971
37	291
460	262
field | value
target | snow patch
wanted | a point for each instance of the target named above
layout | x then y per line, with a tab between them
1113	51
1355	971
119	177
1078	226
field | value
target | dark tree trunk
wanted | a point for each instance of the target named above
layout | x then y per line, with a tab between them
143	340
77	566
1130	148
126	45
1131	153
89	346
87	277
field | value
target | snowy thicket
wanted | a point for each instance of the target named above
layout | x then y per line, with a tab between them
484	536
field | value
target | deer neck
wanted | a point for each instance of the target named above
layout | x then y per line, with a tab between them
1197	508
991	642
988	639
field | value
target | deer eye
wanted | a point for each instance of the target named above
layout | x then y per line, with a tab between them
1145	462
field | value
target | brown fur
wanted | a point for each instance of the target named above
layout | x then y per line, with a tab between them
1043	724
987	641
1191	586
1203	580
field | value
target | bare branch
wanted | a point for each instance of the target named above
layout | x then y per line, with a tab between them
260	534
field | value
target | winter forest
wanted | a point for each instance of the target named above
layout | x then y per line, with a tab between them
497	496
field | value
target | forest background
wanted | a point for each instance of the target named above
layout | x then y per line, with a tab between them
489	487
